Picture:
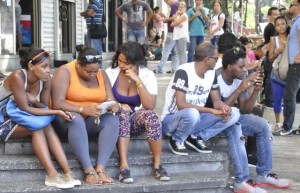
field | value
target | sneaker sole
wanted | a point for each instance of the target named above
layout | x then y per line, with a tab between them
176	152
65	186
164	179
283	133
127	181
195	148
251	165
271	185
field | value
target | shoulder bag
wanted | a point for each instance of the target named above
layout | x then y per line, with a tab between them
98	31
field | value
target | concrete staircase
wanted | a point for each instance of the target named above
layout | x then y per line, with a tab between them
20	171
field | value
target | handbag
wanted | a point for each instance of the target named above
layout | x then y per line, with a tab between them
7	126
281	64
31	122
98	31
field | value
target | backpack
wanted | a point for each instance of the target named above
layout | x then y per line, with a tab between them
225	25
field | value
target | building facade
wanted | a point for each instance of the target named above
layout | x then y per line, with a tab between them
55	25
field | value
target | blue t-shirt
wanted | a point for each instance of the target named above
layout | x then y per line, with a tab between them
196	26
97	6
293	39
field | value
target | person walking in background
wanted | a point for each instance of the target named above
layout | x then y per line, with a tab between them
197	21
94	14
181	32
135	19
216	24
158	21
18	13
293	76
170	44
269	32
276	48
135	88
80	87
30	88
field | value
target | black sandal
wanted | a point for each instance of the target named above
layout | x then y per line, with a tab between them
94	174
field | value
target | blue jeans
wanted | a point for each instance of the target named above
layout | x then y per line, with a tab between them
253	125
206	125
94	43
194	42
170	47
291	89
136	36
214	41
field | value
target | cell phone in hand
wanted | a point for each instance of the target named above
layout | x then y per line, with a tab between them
105	105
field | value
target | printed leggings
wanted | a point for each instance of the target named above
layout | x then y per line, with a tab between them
139	122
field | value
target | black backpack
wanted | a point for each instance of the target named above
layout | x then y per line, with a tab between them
225	25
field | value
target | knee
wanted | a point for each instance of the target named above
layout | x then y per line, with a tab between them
113	122
192	115
235	114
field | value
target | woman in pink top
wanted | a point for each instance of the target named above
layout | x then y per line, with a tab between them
252	63
158	20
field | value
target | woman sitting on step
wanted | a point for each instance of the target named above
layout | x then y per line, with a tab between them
82	88
30	88
134	86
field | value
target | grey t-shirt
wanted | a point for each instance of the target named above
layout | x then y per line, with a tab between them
135	14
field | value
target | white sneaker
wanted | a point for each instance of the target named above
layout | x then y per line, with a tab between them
58	181
247	187
71	178
271	180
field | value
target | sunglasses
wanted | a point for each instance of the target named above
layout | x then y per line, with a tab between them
293	4
214	57
92	58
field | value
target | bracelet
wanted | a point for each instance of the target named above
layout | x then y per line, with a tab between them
139	83
80	110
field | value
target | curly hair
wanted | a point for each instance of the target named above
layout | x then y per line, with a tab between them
231	56
134	52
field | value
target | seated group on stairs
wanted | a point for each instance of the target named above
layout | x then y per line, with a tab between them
127	94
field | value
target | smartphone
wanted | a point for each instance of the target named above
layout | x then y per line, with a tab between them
105	105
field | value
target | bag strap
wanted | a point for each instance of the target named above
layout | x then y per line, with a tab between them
199	17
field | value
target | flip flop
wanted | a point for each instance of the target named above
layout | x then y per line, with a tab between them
296	132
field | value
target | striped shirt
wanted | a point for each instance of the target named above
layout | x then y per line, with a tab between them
97	6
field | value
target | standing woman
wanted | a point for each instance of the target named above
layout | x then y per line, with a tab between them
135	86
30	88
276	48
181	31
80	87
216	24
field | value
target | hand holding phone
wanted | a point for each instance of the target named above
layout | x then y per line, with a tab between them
105	105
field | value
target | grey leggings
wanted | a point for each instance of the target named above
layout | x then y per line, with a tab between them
79	130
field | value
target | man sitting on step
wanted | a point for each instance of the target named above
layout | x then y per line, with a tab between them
234	88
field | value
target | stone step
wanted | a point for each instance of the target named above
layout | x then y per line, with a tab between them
19	168
195	182
24	146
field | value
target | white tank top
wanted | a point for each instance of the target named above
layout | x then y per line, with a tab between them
182	32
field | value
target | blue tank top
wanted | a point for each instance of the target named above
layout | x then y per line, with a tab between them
132	101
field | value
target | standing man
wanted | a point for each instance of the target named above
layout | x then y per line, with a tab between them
197	20
94	11
170	44
293	77
269	31
135	19
18	12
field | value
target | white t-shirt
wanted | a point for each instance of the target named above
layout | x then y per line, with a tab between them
218	64
227	89
187	81
215	24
